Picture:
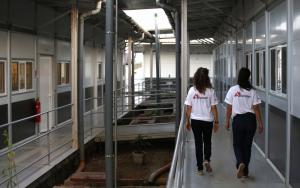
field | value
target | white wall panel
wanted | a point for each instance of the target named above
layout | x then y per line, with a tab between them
90	64
46	46
63	51
296	21
260	32
296	79
23	46
278	23
3	44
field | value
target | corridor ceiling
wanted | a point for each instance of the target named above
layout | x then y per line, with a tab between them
204	16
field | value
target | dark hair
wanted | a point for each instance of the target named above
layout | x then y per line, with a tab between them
243	79
201	80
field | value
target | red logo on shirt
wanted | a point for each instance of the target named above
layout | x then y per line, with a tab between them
196	96
237	94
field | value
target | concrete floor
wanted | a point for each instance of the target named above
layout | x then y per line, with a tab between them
261	174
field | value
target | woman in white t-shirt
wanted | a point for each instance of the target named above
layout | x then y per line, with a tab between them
243	104
202	116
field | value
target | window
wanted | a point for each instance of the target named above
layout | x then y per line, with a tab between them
22	75
249	63
99	73
2	77
260	69
279	69
63	73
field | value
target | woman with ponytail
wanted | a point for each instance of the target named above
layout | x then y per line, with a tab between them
202	116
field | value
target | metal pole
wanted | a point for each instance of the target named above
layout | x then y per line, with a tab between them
151	66
80	89
178	72
108	113
9	87
157	60
116	90
48	138
132	76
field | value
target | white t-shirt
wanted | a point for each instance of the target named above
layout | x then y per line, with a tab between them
201	103
242	100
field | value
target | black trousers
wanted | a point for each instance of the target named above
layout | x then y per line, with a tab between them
202	133
243	127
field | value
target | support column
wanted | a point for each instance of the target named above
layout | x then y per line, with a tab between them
184	50
80	89
108	107
9	88
151	66
157	52
74	68
132	76
178	72
129	61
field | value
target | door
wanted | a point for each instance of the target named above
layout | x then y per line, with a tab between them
46	91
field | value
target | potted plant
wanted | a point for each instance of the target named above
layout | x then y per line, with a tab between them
138	154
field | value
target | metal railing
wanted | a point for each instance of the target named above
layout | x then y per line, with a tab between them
47	134
175	178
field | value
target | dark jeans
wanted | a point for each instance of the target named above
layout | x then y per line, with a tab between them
243	127
202	133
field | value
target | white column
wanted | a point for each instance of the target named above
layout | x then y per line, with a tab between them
184	50
74	49
129	61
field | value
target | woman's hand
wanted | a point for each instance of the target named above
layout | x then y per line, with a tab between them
188	125
216	127
260	128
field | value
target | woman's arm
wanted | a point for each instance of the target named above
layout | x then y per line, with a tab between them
188	117
216	117
228	115
256	109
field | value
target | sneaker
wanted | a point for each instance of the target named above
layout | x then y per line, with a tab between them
240	170
200	172
207	166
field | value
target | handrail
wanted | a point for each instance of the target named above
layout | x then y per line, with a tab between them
31	117
175	174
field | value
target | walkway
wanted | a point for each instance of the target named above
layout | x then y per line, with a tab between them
223	163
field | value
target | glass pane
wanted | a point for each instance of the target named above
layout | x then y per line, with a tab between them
247	61
279	70
257	69
58	73
15	76
67	69
284	69
63	73
273	69
2	77
22	75
29	75
99	71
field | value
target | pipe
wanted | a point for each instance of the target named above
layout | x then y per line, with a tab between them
158	173
132	76
108	114
168	9
116	98
178	60
80	88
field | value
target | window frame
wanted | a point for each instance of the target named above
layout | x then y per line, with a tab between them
25	90
60	76
5	78
276	91
249	59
